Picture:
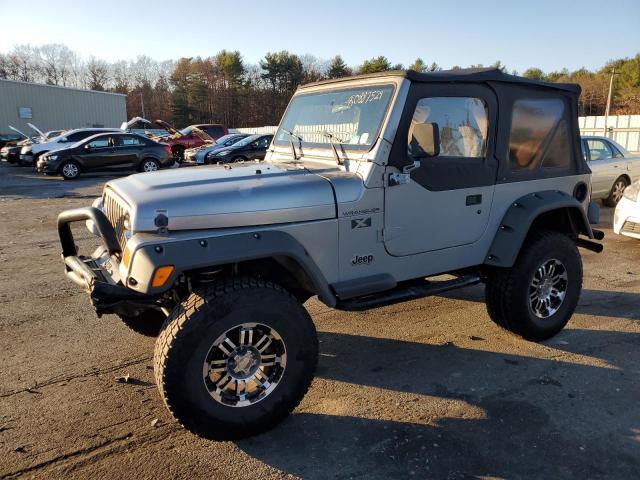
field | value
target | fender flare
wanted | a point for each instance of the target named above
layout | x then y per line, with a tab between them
199	250
519	217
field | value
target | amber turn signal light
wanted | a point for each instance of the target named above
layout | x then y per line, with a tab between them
161	275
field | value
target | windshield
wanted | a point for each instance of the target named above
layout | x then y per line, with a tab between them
350	116
224	139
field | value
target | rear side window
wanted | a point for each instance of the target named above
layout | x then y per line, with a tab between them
462	123
126	140
539	135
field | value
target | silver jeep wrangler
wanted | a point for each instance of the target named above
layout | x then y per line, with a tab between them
372	187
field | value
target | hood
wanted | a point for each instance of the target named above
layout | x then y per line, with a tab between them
127	125
247	194
18	131
33	127
167	126
202	135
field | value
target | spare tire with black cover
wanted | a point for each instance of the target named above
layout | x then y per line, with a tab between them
537	296
235	358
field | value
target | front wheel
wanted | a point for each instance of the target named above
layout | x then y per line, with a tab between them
70	170
537	296
235	358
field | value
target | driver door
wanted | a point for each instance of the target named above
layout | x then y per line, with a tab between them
447	199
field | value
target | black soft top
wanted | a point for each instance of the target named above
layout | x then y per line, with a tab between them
465	75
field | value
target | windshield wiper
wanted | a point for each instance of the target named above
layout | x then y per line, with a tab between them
293	148
332	140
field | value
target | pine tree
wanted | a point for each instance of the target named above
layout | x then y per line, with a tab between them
338	68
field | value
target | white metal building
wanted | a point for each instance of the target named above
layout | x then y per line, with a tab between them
624	129
51	107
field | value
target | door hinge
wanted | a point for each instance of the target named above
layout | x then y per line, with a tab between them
405	176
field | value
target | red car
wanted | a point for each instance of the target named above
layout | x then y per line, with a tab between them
190	137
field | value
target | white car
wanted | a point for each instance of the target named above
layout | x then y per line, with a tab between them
626	219
613	167
30	153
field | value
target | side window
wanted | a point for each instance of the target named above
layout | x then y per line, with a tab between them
126	140
539	135
215	132
101	142
599	149
462	123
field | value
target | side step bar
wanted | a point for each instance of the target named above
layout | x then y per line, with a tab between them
406	291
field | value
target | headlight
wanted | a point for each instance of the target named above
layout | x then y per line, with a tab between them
632	191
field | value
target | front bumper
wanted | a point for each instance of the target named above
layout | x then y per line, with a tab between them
26	157
626	218
98	274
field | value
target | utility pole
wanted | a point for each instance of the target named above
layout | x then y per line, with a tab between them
143	116
606	112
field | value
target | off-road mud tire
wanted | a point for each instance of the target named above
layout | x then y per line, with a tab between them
191	329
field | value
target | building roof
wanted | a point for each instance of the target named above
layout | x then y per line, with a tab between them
465	75
46	85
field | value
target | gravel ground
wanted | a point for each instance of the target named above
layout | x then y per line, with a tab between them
425	389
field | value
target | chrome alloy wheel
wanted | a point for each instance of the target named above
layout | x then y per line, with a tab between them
244	365
70	170
548	288
618	190
150	166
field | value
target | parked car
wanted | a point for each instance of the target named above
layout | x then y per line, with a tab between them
143	126
427	177
253	147
9	139
204	154
11	153
107	152
189	137
29	153
613	167
44	136
626	218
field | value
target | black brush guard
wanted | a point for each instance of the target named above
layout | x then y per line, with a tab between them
106	296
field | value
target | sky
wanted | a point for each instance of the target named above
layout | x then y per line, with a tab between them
549	34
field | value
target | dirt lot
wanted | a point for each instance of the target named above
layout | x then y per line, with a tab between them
427	389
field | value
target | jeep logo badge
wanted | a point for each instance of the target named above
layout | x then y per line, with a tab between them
362	260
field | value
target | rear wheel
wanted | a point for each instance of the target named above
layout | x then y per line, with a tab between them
149	165
148	323
537	296
70	170
617	190
235	358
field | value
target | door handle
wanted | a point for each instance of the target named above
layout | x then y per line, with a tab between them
474	199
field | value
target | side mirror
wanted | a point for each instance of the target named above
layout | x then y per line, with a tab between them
64	140
424	140
87	147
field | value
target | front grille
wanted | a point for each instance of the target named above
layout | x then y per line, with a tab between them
116	211
631	227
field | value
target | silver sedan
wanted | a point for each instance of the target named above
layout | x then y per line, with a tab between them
614	168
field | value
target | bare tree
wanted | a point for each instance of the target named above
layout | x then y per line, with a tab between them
97	74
